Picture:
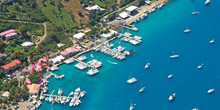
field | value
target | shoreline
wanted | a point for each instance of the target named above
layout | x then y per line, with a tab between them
130	19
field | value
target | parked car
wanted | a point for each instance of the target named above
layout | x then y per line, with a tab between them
37	40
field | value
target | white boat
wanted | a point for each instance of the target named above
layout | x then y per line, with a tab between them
200	66
187	31
170	76
92	56
212	41
45	89
132	80
42	97
142	89
71	104
174	56
68	99
112	62
92	71
207	2
131	107
68	61
53	68
50	99
147	65
195	109
71	93
60	92
195	12
81	58
82	94
211	90
172	96
81	66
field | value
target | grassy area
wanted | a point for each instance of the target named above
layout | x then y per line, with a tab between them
56	13
101	3
34	29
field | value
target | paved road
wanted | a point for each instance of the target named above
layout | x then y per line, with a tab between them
42	37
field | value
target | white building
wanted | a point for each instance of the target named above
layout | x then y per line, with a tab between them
79	36
131	9
110	34
123	15
58	59
27	44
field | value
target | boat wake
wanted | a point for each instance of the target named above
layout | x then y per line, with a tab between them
114	63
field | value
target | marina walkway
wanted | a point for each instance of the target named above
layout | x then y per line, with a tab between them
83	62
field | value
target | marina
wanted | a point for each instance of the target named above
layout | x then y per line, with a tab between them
159	57
75	99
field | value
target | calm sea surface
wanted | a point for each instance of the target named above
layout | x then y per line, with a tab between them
162	32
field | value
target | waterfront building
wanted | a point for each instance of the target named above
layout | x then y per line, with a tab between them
33	89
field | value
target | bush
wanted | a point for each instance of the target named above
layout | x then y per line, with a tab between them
34	78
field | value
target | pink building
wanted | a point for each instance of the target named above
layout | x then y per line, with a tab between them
9	34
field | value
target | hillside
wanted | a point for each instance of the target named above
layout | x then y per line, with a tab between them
74	7
56	13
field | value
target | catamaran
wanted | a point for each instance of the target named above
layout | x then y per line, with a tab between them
211	90
172	96
207	2
131	80
187	31
147	65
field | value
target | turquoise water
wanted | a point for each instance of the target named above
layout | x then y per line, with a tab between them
162	31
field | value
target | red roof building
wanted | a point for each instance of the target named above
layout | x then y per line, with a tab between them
11	66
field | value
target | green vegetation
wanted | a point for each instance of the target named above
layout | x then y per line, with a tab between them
34	29
25	10
125	2
34	78
16	92
108	4
54	35
56	13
